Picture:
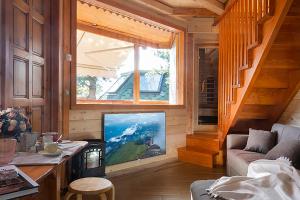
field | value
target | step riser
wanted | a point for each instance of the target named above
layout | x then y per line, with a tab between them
202	144
195	158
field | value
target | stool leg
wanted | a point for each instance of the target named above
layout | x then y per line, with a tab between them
111	193
79	196
103	196
68	195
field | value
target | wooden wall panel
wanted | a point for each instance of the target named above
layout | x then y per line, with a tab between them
38	6
86	124
36	116
38	40
1	56
291	115
38	80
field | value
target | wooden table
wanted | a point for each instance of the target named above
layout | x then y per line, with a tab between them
51	178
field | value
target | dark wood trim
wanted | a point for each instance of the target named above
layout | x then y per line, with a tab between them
1	47
56	65
136	79
7	52
69	7
124	106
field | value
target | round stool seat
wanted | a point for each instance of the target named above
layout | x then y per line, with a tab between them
91	185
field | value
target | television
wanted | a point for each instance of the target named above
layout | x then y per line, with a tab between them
133	136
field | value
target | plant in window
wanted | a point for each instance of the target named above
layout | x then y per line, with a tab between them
87	86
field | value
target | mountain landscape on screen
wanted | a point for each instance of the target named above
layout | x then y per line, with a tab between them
133	136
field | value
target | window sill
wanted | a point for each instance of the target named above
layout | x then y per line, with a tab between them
124	105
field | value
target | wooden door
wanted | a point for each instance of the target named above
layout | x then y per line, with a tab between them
27	51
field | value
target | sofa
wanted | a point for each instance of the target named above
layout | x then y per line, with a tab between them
238	159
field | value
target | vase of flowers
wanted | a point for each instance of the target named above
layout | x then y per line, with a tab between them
13	123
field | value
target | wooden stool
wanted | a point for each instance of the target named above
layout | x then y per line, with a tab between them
91	186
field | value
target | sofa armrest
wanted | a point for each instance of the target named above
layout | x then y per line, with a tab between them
237	141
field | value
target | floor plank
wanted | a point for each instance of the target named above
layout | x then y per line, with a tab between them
167	182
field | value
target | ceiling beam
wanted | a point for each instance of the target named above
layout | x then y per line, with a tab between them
212	5
199	12
156	5
177	11
142	12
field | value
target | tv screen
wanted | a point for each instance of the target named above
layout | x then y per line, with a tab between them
132	136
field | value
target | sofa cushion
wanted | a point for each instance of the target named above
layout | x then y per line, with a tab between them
240	159
286	148
260	141
198	189
285	132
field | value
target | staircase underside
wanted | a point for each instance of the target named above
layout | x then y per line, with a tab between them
278	80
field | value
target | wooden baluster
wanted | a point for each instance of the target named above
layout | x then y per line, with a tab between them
235	53
230	56
225	66
242	33
220	82
259	9
250	24
255	34
240	42
246	34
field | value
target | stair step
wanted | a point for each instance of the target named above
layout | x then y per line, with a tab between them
202	141
202	158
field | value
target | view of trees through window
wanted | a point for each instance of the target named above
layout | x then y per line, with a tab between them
106	70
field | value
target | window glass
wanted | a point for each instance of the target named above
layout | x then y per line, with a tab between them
104	67
154	66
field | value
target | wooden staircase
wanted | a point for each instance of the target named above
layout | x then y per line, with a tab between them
201	149
259	66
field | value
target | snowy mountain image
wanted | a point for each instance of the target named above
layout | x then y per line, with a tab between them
133	136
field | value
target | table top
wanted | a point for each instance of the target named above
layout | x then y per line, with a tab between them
38	172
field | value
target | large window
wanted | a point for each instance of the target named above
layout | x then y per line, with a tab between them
111	70
123	58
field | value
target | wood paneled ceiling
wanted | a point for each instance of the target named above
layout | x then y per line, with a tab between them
186	9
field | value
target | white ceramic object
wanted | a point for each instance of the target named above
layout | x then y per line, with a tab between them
51	147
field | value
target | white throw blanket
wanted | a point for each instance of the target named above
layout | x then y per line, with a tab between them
266	180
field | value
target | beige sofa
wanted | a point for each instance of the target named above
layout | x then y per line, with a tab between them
238	159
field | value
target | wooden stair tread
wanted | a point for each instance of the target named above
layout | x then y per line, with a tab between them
199	151
202	135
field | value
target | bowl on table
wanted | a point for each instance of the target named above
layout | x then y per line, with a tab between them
7	150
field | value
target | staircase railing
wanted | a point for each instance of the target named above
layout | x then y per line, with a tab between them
240	30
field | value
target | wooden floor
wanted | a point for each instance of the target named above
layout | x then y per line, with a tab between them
168	182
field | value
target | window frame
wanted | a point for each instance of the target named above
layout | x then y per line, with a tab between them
136	102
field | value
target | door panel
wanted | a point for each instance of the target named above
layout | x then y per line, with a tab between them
26	76
20	71
20	28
